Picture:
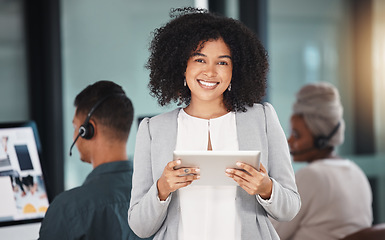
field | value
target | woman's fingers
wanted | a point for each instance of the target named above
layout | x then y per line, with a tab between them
188	178
248	168
176	177
251	180
171	165
243	179
187	171
244	173
262	168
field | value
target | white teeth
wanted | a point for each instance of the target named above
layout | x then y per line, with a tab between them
208	84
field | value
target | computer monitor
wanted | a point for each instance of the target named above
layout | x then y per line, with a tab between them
23	192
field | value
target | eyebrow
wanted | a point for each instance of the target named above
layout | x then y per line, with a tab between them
203	55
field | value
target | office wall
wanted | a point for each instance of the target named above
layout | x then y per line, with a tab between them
310	41
108	40
13	79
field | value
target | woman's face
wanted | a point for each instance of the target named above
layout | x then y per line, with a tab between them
209	71
301	141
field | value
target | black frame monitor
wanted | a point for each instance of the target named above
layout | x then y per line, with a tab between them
24	196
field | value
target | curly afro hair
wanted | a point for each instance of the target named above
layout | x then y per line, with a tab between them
174	43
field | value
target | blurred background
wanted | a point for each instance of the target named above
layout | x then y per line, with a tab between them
51	49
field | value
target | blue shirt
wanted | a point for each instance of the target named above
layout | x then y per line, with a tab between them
95	210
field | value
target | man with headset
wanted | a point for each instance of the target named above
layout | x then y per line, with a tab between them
98	208
335	194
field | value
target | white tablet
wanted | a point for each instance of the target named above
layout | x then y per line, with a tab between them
213	164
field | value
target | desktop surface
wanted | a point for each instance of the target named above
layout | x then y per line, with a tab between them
20	232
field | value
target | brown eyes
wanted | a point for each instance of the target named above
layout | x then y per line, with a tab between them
203	61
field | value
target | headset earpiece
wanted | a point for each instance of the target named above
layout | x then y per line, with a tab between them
87	130
321	142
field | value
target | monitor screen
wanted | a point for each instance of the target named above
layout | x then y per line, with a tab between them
23	192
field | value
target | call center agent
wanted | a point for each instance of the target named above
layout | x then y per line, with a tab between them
335	193
98	208
217	68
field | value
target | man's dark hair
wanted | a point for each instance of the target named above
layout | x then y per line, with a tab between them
175	42
116	112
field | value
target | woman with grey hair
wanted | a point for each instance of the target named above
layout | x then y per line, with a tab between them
335	193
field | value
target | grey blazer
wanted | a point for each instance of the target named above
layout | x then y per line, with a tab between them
257	129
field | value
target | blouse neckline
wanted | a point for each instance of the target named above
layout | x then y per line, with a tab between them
203	119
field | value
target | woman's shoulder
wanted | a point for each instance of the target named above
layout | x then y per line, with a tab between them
162	117
260	106
160	123
266	109
165	116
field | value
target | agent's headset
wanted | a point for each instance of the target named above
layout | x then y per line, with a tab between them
320	142
86	130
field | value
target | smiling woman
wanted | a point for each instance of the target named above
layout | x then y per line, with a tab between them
177	42
217	68
208	75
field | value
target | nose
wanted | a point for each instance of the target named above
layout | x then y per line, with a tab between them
210	70
290	141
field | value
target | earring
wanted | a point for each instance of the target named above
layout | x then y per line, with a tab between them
229	88
185	83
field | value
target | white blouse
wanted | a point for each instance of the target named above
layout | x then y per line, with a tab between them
208	212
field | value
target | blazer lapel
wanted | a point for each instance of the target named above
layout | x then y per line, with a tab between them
250	131
247	130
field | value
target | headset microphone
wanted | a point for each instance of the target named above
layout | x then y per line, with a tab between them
302	151
86	130
81	133
73	144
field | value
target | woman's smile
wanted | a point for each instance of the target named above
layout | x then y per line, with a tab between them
209	72
207	84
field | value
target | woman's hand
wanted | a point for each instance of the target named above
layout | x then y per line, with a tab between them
251	180
172	179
